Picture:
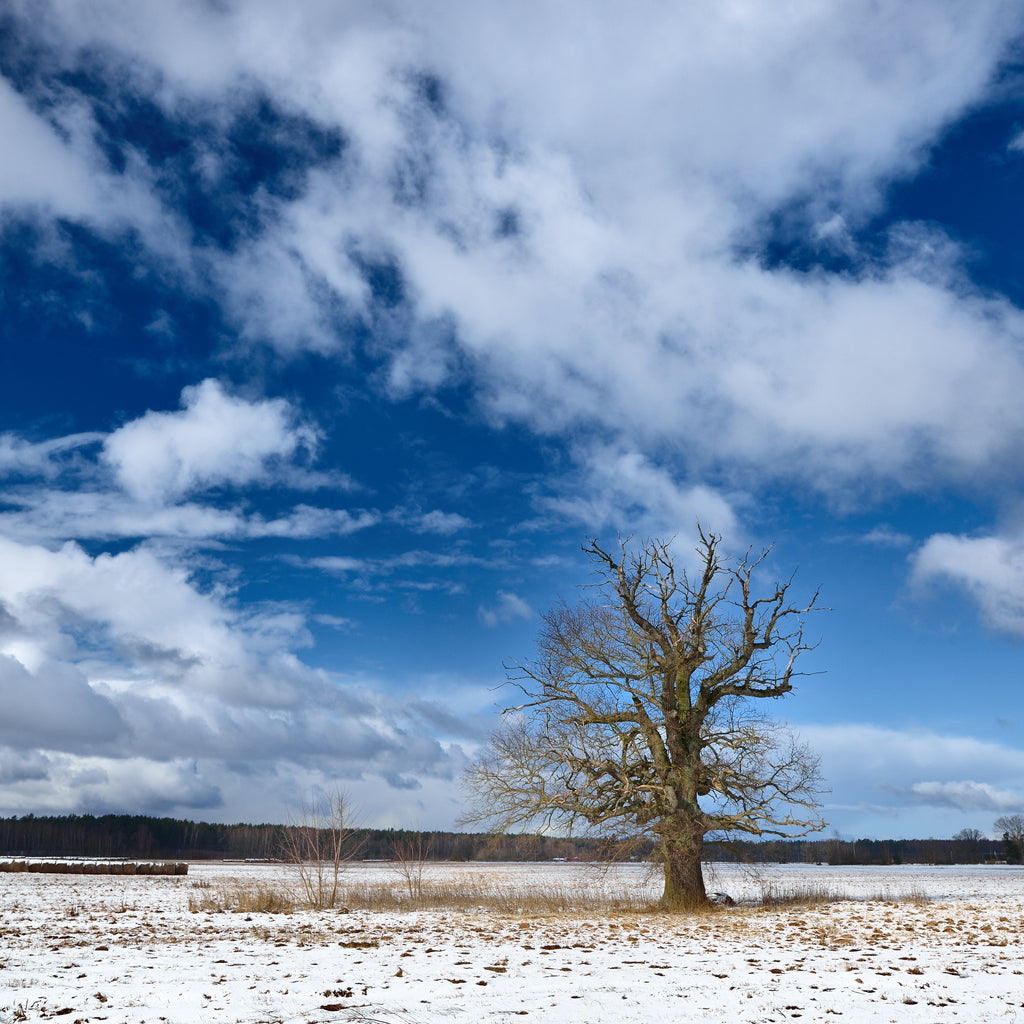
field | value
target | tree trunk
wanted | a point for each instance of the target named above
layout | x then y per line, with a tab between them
684	876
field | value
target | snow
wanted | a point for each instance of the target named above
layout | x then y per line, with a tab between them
910	944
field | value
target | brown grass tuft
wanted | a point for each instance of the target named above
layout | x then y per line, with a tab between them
242	899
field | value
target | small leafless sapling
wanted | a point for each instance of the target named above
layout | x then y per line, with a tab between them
320	845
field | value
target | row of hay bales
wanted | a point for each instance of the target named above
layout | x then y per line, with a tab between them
94	868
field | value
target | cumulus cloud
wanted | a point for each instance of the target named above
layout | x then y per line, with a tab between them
181	475
58	596
20	766
215	440
126	685
990	569
112	785
55	169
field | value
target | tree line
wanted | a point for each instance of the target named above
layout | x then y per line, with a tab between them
145	837
865	852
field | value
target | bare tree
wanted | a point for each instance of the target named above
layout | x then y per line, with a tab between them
638	719
969	835
1011	828
969	845
319	846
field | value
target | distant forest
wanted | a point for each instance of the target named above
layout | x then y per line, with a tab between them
137	836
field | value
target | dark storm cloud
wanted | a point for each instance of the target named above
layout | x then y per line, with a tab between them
54	706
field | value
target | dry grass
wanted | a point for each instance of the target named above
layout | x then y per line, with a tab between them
505	899
774	895
496	895
816	896
243	899
384	897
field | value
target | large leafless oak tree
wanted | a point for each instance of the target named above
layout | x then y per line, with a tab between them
640	714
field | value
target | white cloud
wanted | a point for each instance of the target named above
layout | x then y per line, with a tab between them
508	607
41	458
415	559
128	598
338	622
43	169
964	795
339	564
624	490
214	440
618	302
147	468
45	515
989	569
884	536
306	521
56	171
443	523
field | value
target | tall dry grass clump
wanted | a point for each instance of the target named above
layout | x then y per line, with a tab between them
813	895
241	898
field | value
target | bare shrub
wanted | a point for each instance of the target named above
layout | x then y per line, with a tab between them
411	855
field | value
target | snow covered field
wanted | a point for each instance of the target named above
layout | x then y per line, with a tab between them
914	944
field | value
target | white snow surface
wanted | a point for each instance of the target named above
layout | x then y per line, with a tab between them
908	944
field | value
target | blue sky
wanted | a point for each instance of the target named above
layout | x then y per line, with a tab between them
329	331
